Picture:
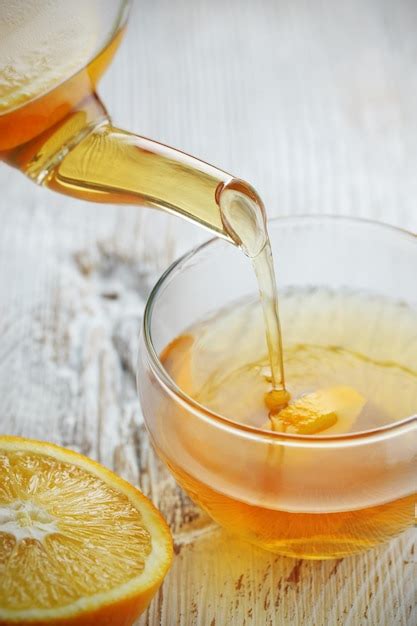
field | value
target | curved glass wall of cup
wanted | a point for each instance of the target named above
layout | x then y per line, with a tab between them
270	470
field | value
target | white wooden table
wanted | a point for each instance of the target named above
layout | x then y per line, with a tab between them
315	103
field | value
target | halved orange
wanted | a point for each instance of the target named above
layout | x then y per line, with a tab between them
79	546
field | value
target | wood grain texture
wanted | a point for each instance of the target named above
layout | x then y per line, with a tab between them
315	104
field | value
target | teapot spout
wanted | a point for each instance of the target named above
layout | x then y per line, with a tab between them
112	165
84	156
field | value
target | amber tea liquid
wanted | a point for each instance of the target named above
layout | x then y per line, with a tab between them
325	346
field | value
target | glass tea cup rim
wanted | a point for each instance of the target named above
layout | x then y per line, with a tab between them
252	432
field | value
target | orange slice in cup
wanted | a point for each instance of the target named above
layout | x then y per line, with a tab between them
331	411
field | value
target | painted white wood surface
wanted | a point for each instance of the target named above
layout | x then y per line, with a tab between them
314	103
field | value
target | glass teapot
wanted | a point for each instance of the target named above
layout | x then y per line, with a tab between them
55	129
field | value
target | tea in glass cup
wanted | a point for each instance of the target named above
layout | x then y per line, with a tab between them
300	487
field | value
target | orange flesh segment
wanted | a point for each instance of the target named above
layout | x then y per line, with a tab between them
331	410
72	532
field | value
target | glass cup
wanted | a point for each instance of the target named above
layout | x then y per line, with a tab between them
314	497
